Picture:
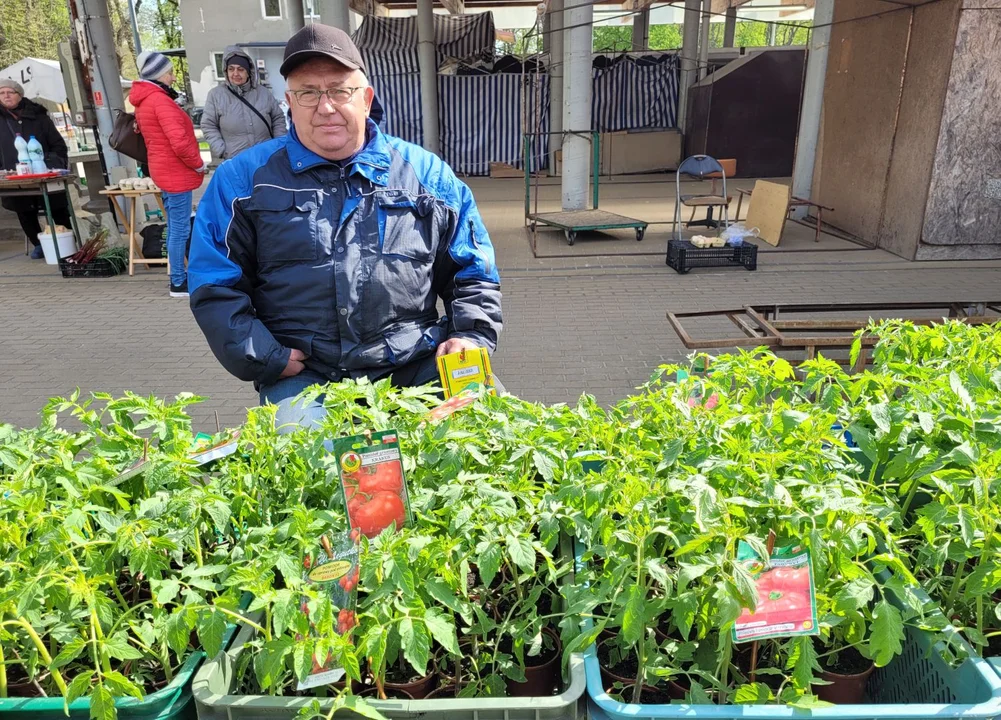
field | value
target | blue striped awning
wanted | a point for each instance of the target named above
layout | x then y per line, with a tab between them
395	77
455	36
631	94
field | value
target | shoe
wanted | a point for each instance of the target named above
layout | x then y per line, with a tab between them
37	253
179	291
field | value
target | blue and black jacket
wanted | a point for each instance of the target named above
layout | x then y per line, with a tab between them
343	261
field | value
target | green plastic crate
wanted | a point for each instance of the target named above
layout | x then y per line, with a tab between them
174	702
214	683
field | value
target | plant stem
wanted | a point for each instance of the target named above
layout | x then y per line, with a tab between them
96	635
911	492
3	674
954	591
198	547
43	651
641	648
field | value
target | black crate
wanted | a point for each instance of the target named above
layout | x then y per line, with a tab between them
97	268
683	256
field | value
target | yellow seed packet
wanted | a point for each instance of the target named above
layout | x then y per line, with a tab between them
457	370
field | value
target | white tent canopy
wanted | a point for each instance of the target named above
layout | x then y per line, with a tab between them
42	80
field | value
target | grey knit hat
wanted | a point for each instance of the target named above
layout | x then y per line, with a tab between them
13	85
152	64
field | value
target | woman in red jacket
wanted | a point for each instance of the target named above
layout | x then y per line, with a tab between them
175	163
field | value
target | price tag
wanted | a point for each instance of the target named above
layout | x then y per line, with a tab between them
787	599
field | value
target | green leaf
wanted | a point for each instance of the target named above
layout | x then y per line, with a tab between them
78	688
967	531
211	630
961	392
886	633
809	702
489	563
358	705
284	610
926	422
167	590
521	552
117	646
102	704
880	413
442	630
416	644
70	652
270	662
178	631
672	451
632	616
442	594
658	572
684	608
855	595
544	464
121	685
302	658
753	693
802	661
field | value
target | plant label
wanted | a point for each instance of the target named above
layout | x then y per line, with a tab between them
465	398
787	599
208	449
458	370
372	482
334	568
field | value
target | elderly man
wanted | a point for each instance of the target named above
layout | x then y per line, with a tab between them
20	116
322	255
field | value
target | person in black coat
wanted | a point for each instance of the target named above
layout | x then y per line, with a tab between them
18	115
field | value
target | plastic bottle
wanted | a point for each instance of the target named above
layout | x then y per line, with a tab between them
23	158
37	156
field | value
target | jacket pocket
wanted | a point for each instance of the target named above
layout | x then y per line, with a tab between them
285	221
406	227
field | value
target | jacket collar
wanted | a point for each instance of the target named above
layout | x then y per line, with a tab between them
371	162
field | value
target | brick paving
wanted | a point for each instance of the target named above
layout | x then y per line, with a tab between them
573	324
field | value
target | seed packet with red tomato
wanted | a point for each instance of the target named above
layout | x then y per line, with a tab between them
372	481
334	568
787	599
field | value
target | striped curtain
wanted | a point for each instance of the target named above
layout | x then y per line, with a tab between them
456	36
480	121
395	77
630	95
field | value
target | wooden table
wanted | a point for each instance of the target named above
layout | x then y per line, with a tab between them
15	186
128	219
793	203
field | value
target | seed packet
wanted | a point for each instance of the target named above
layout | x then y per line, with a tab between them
787	599
459	369
208	448
372	482
334	568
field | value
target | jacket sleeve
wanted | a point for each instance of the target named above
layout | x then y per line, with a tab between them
221	261
177	127
210	127
278	126
55	146
466	273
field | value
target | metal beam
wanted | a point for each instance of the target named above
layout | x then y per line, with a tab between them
641	31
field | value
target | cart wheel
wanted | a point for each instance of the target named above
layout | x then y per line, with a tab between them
571	237
639	233
531	226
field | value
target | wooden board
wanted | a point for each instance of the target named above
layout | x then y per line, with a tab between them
768	209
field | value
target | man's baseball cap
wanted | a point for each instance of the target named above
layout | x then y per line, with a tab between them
316	40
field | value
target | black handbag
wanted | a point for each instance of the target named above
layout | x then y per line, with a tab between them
256	112
126	138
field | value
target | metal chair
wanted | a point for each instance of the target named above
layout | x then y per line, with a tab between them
701	167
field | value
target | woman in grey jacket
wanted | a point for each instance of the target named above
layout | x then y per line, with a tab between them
229	121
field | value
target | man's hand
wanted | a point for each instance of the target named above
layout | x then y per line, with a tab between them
295	364
454	345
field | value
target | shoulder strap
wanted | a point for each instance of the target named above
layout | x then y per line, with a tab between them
256	112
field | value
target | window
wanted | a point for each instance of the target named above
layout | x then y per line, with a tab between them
310	10
217	66
271	9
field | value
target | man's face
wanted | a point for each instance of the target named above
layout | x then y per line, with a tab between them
334	130
237	74
9	98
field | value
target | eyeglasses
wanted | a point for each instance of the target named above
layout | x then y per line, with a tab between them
338	96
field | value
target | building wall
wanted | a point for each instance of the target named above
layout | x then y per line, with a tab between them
862	87
210	25
962	219
925	81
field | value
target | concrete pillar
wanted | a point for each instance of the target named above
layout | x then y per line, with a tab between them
105	74
813	103
641	30
336	13
577	44
770	34
556	58
296	16
707	6
547	33
689	55
429	73
729	26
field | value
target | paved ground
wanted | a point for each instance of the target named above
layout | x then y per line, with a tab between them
581	322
